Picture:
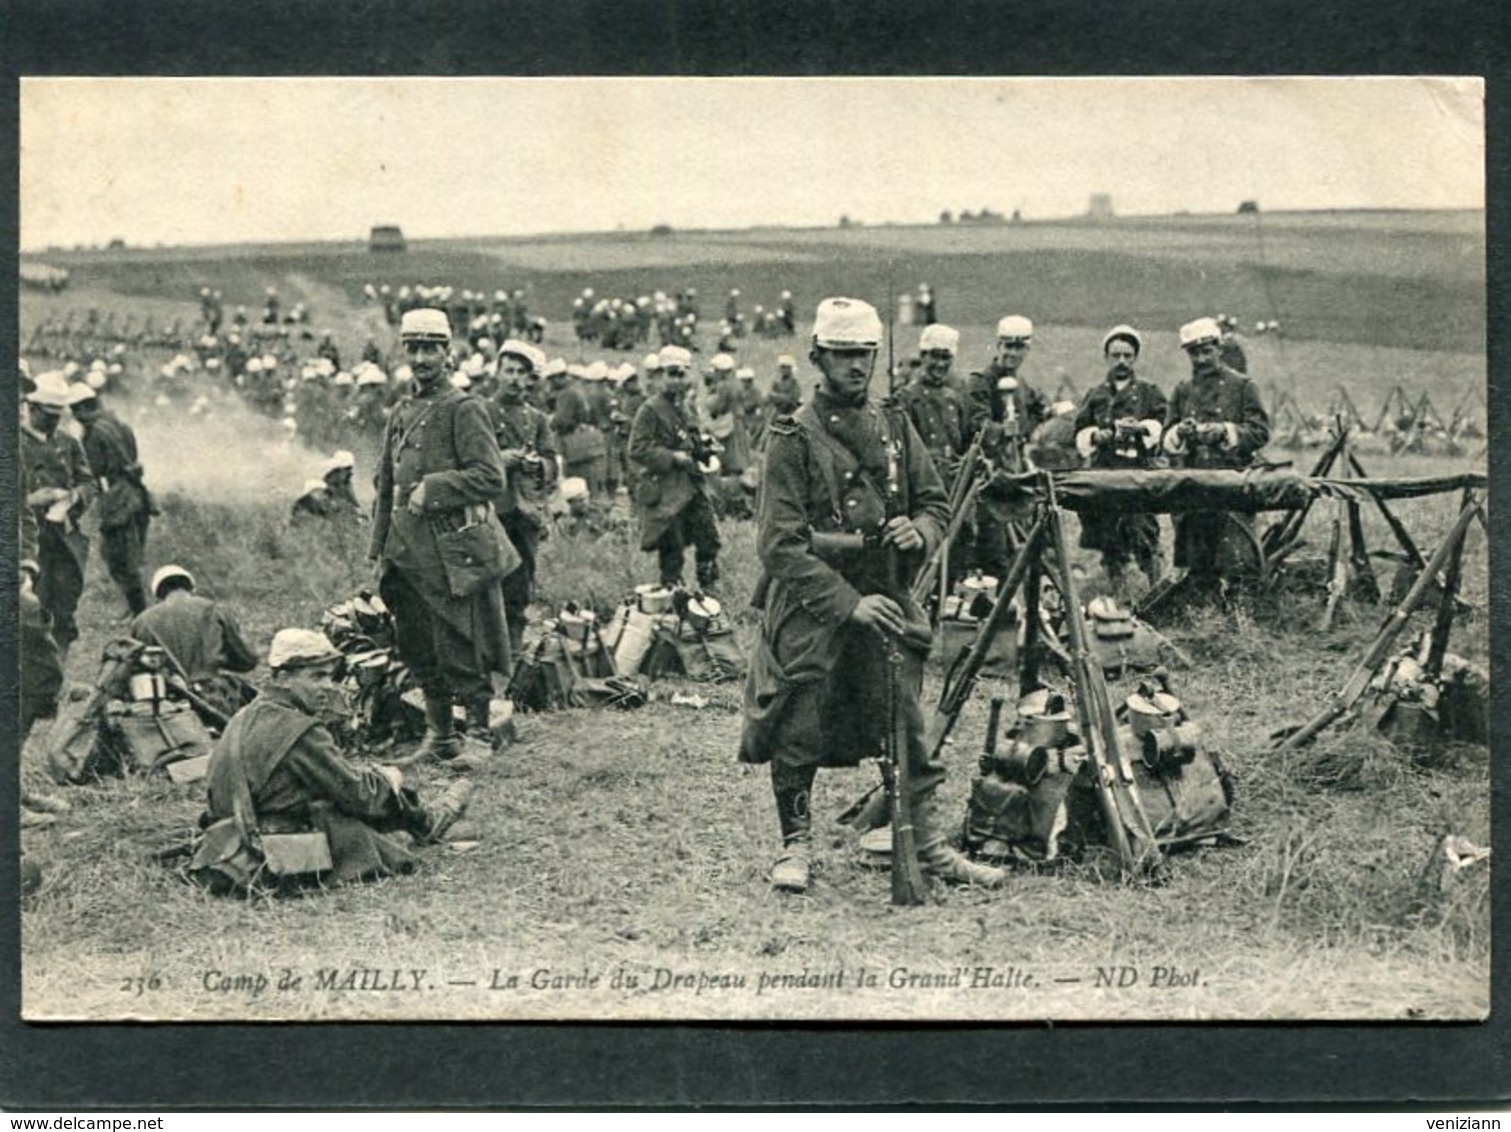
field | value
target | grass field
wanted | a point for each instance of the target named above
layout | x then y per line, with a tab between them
633	847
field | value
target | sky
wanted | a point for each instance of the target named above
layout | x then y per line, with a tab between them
203	161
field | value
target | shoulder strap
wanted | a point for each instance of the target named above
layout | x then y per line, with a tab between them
813	429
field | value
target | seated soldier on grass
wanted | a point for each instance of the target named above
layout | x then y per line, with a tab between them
276	770
201	637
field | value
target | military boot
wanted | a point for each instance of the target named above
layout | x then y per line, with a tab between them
938	857
441	741
792	787
477	747
708	574
446	811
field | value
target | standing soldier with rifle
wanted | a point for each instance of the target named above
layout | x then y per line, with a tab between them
848	485
1216	420
1005	410
1119	425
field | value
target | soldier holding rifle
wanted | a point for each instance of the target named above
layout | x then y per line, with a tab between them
848	485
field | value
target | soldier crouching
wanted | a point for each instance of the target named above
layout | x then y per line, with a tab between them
848	481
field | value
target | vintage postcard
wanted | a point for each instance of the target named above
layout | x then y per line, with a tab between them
754	549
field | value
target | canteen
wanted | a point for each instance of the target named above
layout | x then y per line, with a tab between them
1147	714
701	612
634	640
653	599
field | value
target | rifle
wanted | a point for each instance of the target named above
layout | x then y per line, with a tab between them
908	886
1128	827
1380	648
960	680
936	569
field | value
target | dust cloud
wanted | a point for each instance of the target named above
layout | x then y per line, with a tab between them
228	453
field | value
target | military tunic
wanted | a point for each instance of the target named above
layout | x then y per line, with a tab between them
444	439
584	452
298	782
816	692
40	674
205	642
1014	415
672	502
1228	398
124	508
1121	537
521	506
62	548
940	415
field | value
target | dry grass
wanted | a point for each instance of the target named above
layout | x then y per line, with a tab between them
635	842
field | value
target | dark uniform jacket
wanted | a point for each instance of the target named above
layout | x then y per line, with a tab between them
1105	404
298	782
940	415
1226	397
813	688
444	440
572	419
986	402
662	489
201	636
59	461
526	427
110	446
726	423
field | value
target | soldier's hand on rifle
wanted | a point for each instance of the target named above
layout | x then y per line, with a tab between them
1212	434
1186	430
879	612
417	499
901	533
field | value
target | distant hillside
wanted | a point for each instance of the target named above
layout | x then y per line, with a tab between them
1392	278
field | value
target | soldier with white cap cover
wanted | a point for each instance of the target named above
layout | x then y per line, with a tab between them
277	771
1006	410
933	403
528	448
1216	419
667	486
847	484
332	496
439	473
201	636
60	485
1118	425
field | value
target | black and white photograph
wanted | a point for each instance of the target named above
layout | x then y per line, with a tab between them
898	550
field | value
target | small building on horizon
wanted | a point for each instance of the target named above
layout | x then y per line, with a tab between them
1100	207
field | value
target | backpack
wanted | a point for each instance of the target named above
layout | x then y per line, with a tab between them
543	676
